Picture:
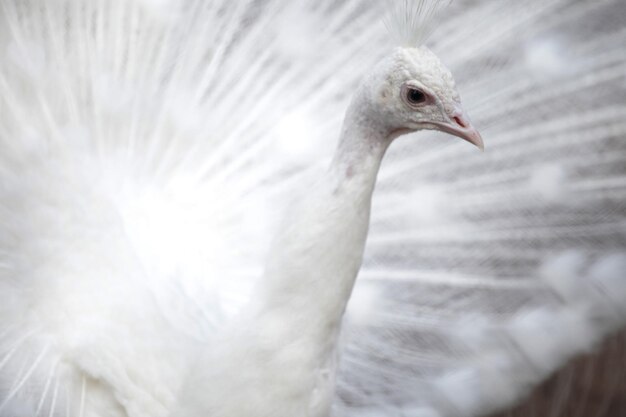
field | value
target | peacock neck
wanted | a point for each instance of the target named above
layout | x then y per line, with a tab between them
315	258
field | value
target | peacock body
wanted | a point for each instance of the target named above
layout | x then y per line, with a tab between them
173	243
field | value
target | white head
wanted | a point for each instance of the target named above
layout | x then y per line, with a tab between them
412	90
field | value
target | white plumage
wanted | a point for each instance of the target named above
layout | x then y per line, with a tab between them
172	244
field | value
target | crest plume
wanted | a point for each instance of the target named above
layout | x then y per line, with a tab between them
410	22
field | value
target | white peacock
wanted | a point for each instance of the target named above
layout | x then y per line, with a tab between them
173	242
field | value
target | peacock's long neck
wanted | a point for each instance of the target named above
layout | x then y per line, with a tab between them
315	258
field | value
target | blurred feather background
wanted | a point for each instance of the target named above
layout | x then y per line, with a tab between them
592	385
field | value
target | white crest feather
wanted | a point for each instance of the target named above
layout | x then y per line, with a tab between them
410	22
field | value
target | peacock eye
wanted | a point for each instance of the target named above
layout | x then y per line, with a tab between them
415	96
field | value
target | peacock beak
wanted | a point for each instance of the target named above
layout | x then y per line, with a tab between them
471	135
461	126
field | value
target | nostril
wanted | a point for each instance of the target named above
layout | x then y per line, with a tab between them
459	121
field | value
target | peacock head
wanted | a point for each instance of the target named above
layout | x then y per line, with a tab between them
412	90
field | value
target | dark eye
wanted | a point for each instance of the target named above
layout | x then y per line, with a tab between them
415	96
